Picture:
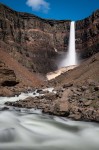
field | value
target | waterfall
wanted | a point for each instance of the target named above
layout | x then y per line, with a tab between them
70	58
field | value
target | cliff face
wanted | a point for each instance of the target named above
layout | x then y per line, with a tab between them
34	42
31	40
87	35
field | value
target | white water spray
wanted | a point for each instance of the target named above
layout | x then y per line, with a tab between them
70	58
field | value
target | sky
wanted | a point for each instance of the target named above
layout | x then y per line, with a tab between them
55	9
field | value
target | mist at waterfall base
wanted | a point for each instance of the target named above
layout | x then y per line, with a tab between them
70	58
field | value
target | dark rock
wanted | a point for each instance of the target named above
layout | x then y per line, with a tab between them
83	88
7	76
5	108
67	85
96	88
9	83
39	90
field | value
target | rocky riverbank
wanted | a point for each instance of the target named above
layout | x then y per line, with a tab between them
75	93
76	102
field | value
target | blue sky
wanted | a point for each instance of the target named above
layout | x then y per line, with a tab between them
55	9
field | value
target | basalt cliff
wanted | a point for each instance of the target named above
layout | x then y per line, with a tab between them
87	35
36	43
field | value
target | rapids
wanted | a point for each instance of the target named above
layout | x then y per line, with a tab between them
29	129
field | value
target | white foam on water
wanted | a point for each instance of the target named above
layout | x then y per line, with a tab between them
38	132
25	130
23	96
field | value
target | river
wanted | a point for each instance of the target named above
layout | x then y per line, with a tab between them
24	129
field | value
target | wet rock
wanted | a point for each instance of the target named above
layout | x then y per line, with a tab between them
61	109
43	92
39	90
4	108
75	116
88	114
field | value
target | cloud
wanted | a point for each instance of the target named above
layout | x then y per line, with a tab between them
39	5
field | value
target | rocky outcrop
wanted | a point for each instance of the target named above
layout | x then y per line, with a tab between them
7	80
87	35
7	76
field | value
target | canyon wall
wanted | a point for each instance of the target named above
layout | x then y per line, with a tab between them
36	43
31	40
87	35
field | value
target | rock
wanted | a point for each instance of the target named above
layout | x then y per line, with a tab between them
61	109
35	42
75	116
39	91
6	92
36	39
96	88
91	82
4	108
91	98
7	76
83	88
82	99
67	85
86	31
87	103
88	114
44	92
59	95
50	96
87	91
